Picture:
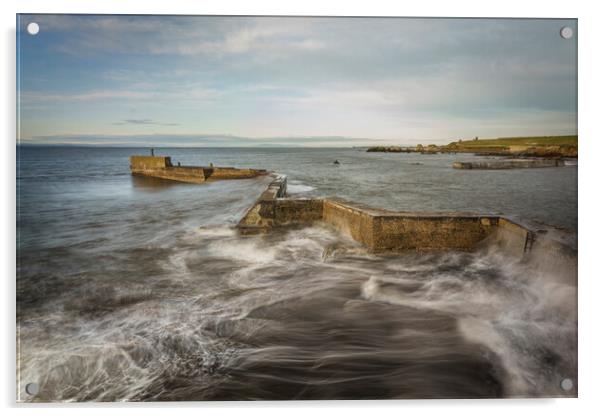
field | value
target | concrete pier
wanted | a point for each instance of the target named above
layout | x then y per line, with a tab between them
383	231
161	167
510	164
379	230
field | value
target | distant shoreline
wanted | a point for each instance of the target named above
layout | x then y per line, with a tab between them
544	146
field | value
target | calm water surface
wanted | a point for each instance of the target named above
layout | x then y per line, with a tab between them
136	289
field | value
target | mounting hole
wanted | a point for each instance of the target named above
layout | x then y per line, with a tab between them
32	389
566	384
566	32
33	28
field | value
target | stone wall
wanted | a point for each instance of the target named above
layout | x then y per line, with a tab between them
142	163
510	164
232	173
513	237
382	230
351	219
297	211
161	167
273	210
187	174
425	232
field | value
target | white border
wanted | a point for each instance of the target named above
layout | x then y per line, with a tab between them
589	190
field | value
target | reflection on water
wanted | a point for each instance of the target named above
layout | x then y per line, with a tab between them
136	289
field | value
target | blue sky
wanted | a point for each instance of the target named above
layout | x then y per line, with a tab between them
263	81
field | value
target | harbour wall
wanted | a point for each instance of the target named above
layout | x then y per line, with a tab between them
510	164
378	230
161	167
383	231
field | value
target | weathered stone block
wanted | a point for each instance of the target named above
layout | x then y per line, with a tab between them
141	163
349	219
298	211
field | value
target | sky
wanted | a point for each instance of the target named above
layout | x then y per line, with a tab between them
291	81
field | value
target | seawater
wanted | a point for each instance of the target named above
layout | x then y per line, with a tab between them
137	289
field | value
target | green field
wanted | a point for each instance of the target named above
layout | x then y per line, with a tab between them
520	141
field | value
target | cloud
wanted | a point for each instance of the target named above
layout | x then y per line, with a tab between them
185	35
34	96
403	79
194	140
143	121
152	93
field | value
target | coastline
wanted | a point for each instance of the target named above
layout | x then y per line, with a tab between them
526	147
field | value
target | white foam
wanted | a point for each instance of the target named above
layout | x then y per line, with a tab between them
298	188
243	250
216	231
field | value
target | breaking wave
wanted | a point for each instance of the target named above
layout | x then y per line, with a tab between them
271	317
137	290
296	187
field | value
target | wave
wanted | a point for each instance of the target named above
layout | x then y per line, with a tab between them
520	313
298	188
233	317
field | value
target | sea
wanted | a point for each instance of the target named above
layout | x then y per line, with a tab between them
137	289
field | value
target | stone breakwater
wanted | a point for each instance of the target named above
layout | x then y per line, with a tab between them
161	167
510	151
383	231
379	230
510	164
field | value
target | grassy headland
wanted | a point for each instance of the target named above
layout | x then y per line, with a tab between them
519	141
541	146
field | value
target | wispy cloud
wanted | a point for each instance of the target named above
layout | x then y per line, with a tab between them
195	140
404	80
34	96
196	93
168	35
143	121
